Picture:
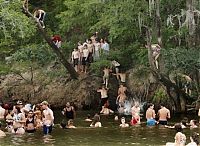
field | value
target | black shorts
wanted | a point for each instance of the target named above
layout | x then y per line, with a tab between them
42	17
84	61
90	57
75	61
30	131
163	122
103	101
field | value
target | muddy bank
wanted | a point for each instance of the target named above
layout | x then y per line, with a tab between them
38	85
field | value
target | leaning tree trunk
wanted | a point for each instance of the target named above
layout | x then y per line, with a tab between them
177	95
55	49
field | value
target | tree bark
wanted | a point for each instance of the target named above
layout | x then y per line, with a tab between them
55	49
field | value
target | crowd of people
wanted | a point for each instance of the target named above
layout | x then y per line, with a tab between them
91	50
29	118
19	119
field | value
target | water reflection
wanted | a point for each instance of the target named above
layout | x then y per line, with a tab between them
110	134
48	139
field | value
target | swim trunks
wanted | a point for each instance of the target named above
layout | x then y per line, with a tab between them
151	122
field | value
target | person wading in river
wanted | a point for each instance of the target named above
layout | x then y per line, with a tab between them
48	118
150	115
69	111
163	114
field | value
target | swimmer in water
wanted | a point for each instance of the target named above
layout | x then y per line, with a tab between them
123	123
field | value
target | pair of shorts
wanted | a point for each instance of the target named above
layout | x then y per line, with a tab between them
47	129
75	61
84	61
103	101
30	131
151	122
90	57
163	122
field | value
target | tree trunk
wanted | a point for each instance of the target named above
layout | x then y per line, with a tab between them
56	50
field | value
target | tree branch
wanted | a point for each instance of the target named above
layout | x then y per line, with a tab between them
56	50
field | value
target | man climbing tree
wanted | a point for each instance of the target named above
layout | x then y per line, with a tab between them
56	50
39	14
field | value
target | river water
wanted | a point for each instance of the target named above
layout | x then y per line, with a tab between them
109	135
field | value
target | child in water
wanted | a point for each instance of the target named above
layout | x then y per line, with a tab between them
193	124
123	123
70	124
88	118
96	121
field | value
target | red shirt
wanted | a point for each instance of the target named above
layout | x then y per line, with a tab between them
56	38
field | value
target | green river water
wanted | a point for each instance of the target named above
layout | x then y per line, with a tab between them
109	135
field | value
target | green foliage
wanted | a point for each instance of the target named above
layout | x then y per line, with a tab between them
182	58
97	67
34	53
4	68
160	95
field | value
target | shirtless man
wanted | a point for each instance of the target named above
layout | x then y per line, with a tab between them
121	77
105	110
85	59
75	58
121	95
90	47
48	118
163	114
122	89
106	76
116	65
39	14
2	112
150	115
80	49
104	95
121	99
